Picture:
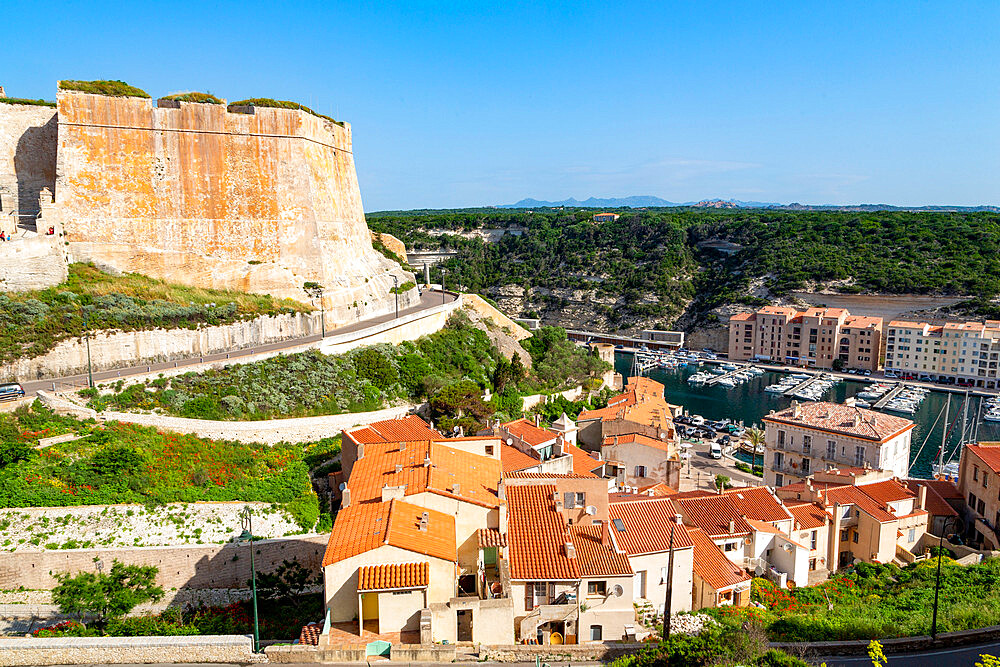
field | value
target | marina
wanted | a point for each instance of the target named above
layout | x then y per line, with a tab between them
750	400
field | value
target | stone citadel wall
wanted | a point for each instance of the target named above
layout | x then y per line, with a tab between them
27	159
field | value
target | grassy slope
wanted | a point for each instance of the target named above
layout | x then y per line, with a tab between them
31	323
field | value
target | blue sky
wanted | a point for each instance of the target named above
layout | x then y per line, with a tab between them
467	104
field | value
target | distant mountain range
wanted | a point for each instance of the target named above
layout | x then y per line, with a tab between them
649	201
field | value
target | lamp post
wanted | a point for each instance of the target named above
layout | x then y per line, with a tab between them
444	297
246	523
670	582
955	521
395	290
86	336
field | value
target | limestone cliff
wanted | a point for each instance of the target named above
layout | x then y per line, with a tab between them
263	200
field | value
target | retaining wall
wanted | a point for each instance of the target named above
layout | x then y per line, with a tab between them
121	349
29	261
112	650
201	566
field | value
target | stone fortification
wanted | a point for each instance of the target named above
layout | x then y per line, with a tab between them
263	200
27	160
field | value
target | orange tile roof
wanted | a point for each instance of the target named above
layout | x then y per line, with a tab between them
645	526
477	476
593	557
537	534
491	537
758	503
657	489
392	576
521	474
853	495
845	419
808	515
638	438
642	402
713	514
410	427
943	487
862	321
887	491
366	526
988	453
583	463
712	566
743	317
531	434
513	459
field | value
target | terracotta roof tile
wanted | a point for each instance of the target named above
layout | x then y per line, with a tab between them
402	464
593	557
853	495
934	504
514	459
520	474
638	438
537	535
808	515
531	434
643	527
946	489
845	419
392	576
713	515
642	402
583	463
491	537
711	565
887	491
758	503
410	427
988	452
366	526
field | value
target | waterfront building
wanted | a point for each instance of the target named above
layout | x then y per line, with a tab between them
957	352
810	437
979	484
606	217
815	337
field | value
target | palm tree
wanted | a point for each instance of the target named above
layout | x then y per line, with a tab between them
755	436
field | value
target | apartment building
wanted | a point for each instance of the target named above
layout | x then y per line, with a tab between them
815	337
979	484
811	437
957	352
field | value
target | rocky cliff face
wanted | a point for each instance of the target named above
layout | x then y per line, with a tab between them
263	201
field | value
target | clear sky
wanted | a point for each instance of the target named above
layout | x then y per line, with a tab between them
468	104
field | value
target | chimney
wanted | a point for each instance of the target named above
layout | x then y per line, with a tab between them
557	449
425	519
402	446
538	419
345	498
361	451
678	519
922	497
732	526
569	549
796	409
606	536
427	461
399	468
455	488
616	439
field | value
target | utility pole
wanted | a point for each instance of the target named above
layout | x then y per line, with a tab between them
395	290
86	335
444	297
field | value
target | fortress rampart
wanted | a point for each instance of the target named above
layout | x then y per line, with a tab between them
256	199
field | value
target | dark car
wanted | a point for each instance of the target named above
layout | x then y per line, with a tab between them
11	391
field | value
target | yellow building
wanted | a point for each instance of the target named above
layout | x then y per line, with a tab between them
957	352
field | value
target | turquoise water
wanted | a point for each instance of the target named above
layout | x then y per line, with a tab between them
748	403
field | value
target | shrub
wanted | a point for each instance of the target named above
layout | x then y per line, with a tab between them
21	100
204	98
110	88
278	104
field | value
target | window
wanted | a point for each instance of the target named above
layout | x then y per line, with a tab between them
805	466
975	473
596	633
663	575
985	476
981	508
912	536
597	588
972	500
854	535
581	499
806	444
489	450
781	438
831	449
729	546
779	459
813	540
859	455
779	480
640	471
812	563
844	534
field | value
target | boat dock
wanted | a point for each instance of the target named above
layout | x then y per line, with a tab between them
889	395
802	385
715	379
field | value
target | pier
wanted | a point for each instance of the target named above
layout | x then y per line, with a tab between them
889	395
716	378
802	385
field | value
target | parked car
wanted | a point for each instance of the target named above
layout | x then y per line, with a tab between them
852	371
867	374
890	374
715	451
11	391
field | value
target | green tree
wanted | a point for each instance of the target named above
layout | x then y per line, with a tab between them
106	596
289	583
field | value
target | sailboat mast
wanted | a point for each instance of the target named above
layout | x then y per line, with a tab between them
944	433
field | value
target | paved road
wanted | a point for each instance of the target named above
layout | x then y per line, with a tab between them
427	300
701	472
964	656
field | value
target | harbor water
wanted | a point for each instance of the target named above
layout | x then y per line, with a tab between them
748	402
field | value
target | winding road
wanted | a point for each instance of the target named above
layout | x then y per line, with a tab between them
428	299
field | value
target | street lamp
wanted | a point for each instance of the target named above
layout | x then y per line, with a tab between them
670	581
444	297
395	290
955	521
246	523
86	336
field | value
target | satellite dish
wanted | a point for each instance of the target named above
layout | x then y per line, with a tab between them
343	485
510	441
617	591
591	510
663	436
455	429
759	570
